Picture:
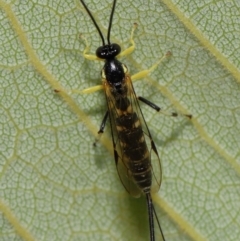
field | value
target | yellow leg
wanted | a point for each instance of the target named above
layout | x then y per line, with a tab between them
130	49
88	90
145	72
84	91
86	50
89	57
158	109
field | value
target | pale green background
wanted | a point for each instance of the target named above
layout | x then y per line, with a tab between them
54	185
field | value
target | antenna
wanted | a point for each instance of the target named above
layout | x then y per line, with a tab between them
94	21
96	25
110	21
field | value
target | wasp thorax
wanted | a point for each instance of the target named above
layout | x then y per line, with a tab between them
114	72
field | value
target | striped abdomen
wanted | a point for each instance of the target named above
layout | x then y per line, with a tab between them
131	137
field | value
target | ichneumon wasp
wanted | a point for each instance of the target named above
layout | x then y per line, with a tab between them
136	157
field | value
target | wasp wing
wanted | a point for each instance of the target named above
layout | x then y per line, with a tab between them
154	156
119	107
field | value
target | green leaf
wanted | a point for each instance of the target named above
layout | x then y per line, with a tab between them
54	185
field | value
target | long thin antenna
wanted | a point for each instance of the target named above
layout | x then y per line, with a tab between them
110	22
94	21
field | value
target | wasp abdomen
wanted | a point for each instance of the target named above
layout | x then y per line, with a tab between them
135	152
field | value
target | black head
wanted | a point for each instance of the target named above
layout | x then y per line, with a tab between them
109	50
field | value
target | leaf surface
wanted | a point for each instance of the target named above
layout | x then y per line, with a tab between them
54	185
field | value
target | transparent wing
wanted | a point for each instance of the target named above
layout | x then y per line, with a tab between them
154	156
121	159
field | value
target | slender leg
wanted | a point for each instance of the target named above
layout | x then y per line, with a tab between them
142	74
130	49
102	127
103	124
88	90
86	50
158	109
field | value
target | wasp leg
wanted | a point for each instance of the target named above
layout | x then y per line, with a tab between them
158	109
146	72
103	124
130	49
102	127
84	91
87	90
86	55
89	57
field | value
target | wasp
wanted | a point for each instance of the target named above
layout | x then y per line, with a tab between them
136	156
